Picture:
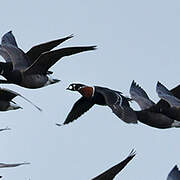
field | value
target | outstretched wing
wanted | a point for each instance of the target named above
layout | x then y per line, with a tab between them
37	50
17	56
4	54
140	96
113	171
164	104
48	59
79	108
166	95
4	165
169	109
174	174
9	39
125	113
4	129
119	104
7	95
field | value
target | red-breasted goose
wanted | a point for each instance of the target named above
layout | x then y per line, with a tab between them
92	95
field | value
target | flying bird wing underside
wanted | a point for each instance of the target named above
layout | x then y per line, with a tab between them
9	39
167	95
17	56
140	96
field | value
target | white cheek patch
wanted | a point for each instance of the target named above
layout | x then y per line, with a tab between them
70	87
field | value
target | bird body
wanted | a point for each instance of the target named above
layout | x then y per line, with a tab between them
157	120
92	95
31	69
34	81
160	115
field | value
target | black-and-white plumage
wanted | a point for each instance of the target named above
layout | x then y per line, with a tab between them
100	96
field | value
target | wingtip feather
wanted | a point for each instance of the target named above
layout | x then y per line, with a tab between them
132	153
70	36
58	124
94	47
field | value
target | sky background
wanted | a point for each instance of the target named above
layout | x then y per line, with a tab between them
137	40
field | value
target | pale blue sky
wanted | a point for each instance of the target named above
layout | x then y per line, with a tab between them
137	40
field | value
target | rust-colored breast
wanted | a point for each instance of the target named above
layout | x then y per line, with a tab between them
87	91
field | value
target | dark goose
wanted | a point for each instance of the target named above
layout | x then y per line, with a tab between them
30	69
160	115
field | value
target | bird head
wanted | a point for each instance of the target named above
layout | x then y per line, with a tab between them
75	87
